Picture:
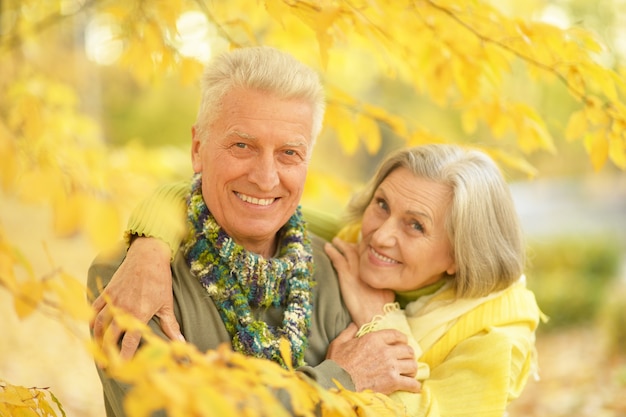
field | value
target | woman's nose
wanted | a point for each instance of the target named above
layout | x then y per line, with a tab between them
385	233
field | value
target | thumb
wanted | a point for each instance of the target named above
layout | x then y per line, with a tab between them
169	324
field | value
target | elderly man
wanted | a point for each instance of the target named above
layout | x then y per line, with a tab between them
247	246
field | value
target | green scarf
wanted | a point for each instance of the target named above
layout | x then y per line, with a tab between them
238	281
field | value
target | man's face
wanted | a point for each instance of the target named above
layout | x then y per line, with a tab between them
254	162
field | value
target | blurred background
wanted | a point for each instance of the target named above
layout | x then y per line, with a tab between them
574	214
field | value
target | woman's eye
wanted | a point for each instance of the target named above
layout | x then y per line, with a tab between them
417	226
240	145
381	203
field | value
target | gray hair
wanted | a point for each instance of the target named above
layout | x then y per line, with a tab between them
260	68
481	223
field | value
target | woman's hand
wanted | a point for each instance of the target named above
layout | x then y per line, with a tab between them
363	301
142	286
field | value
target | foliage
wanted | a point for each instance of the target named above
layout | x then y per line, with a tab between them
173	376
176	377
466	52
572	277
28	402
459	54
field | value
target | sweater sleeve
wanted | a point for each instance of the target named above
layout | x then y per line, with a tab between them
322	223
161	215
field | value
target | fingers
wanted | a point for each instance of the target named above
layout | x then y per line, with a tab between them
407	367
407	383
99	303
336	257
107	333
97	306
398	375
130	343
100	322
170	325
392	337
112	334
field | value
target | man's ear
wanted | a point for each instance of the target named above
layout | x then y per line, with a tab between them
196	146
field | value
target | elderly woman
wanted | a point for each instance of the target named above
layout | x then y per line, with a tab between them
440	256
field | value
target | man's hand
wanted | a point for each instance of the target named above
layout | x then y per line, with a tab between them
142	286
381	361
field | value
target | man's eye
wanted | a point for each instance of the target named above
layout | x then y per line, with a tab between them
240	145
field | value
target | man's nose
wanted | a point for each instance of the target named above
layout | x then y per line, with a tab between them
264	173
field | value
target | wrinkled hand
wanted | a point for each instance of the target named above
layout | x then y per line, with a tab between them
381	361
142	286
363	301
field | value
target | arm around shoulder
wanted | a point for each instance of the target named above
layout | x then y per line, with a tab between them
162	215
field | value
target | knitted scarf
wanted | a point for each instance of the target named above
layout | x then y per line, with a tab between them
239	281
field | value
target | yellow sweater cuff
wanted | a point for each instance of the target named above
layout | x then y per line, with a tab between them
161	215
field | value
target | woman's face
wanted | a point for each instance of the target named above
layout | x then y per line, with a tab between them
404	245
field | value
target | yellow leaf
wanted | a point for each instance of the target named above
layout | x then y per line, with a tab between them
617	151
532	133
597	147
368	130
285	353
277	9
603	79
11	395
18	395
498	120
396	123
320	18
576	126
142	400
211	402
70	296
27	298
21	411
466	78
67	217
342	120
11	259
586	38
102	223
497	64
40	185
515	162
596	116
469	121
440	81
190	71
421	137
